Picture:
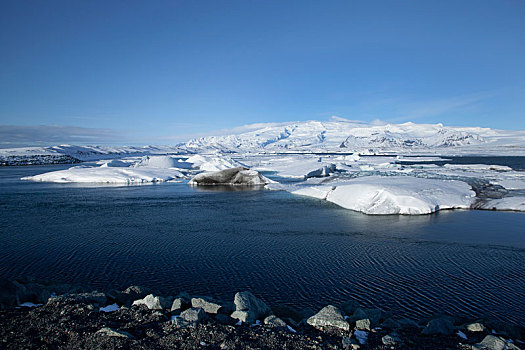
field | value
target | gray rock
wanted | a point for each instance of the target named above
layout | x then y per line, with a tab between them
391	339
193	315
476	327
249	308
210	305
363	324
329	316
244	316
153	302
110	332
492	342
181	302
233	176
443	325
274	321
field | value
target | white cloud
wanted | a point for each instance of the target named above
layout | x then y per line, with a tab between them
44	135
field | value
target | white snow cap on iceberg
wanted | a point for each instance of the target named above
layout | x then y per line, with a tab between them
394	194
108	175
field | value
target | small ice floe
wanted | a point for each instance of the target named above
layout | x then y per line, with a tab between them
173	318
110	308
257	323
203	343
239	323
361	336
462	335
29	304
291	329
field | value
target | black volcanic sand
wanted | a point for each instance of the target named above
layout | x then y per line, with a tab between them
72	320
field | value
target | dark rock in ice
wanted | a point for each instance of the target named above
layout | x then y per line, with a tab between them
233	176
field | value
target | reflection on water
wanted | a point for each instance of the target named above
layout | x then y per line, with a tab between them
288	249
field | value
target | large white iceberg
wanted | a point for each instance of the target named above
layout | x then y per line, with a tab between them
108	175
394	194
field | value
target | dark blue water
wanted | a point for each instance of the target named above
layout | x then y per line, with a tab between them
287	249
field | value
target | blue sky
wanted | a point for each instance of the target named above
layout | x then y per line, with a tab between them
161	71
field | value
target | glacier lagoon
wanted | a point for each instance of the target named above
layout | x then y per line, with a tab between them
290	249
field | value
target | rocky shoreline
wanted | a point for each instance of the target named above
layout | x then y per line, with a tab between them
43	315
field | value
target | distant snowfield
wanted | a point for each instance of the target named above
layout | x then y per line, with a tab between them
326	160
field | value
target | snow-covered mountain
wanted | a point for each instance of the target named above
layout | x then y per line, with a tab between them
347	136
336	135
67	154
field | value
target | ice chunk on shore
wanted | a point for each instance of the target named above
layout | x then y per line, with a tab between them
394	194
234	176
108	175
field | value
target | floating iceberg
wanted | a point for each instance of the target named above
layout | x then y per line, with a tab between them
394	194
108	175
